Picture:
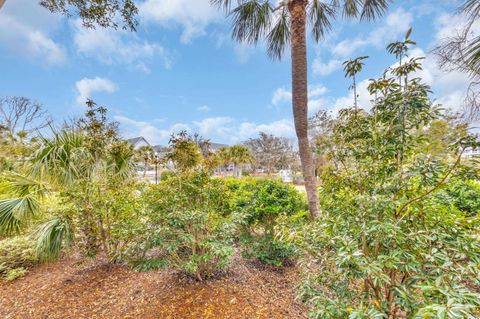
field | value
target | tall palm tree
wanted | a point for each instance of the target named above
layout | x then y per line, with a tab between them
239	156
285	23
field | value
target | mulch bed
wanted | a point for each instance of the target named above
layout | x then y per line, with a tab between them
94	289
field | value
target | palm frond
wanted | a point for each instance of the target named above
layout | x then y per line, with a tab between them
472	53
61	158
279	36
373	9
351	8
51	237
121	160
21	185
251	20
16	211
471	8
222	4
320	14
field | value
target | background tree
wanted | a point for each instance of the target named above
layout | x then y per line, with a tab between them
271	152
239	156
146	155
224	157
18	113
461	52
97	12
284	23
184	153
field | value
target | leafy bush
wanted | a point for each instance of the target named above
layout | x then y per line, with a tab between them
166	175
268	250
464	196
256	205
389	243
16	255
188	223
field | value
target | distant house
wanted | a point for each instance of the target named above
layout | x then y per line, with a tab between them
138	142
471	152
160	150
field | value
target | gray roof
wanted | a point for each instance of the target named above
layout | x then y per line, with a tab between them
135	140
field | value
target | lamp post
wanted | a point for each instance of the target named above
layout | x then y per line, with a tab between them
156	168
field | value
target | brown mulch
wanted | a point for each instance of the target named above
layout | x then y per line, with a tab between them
94	289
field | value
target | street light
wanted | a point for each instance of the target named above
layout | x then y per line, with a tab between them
156	166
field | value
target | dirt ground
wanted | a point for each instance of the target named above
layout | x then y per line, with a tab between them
94	289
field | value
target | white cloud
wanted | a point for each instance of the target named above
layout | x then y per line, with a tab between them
26	30
281	96
316	101
86	87
217	129
395	25
284	128
192	16
323	69
214	126
111	46
204	108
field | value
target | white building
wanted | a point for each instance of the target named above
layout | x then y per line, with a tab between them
471	152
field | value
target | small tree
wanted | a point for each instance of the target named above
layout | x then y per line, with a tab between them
20	115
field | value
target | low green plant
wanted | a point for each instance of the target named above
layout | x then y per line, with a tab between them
189	225
257	205
15	273
16	255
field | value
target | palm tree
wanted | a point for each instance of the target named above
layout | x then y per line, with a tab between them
239	156
285	24
2	2
224	157
146	155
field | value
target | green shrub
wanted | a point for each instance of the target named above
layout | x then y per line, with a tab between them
166	175
189	223
268	250
464	196
257	205
16	255
384	245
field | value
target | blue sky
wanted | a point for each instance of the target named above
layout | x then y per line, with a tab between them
181	70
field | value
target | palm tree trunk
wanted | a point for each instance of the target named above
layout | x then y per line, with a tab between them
1	3
297	10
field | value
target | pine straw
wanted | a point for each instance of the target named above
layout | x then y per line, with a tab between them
94	289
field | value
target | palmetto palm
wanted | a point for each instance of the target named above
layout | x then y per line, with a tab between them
224	157
62	162
283	23
147	156
239	155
